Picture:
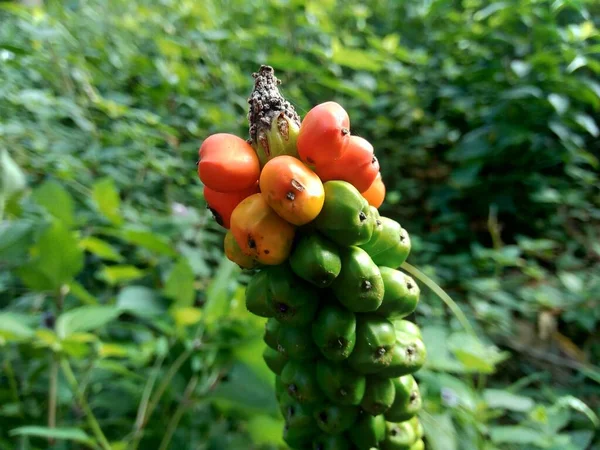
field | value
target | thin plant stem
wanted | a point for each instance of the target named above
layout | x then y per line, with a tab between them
92	421
52	395
183	406
12	381
413	271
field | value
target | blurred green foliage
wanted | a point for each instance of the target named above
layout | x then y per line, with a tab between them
122	325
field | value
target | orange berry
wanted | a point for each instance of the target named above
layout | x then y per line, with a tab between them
222	204
376	192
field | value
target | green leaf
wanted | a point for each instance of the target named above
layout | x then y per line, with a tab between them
16	236
559	102
496	398
180	284
56	200
140	301
439	431
218	293
56	259
68	434
474	355
85	318
106	197
515	435
588	124
146	239
100	248
354	58
81	293
12	178
14	328
121	274
578	405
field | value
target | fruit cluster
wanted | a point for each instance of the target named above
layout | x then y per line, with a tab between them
300	201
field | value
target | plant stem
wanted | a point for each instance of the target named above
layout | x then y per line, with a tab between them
52	395
183	405
12	381
441	294
92	421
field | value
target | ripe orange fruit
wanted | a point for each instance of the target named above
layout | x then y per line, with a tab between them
260	232
324	133
376	192
222	204
293	190
357	166
227	163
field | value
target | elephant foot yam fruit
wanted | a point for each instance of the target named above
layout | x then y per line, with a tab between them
359	286
367	432
407	356
375	194
386	234
419	445
398	436
334	332
358	165
292	190
258	300
275	360
235	254
271	334
379	395
331	442
406	327
345	218
407	401
394	256
401	294
300	381
375	341
417	426
316	260
294	302
227	163
324	134
260	232
335	419
222	204
297	343
340	384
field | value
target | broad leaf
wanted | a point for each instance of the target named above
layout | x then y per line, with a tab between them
108	202
56	200
85	318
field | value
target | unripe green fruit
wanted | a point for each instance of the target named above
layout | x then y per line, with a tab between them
379	395
395	256
279	388
340	384
407	402
272	327
296	343
368	431
334	419
331	442
293	301
386	234
359	286
258	299
406	327
334	332
419	445
316	260
375	339
275	360
300	382
408	356
398	436
417	426
345	218
401	294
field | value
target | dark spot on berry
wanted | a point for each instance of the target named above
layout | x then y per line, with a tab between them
374	160
267	252
409	285
251	242
402	238
297	185
394	432
197	162
410	350
292	388
345	131
291	412
413	396
282	307
309	160
216	215
381	351
362	216
378	222
366	285
323	417
290	196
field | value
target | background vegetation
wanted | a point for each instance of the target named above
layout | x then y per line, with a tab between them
122	325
